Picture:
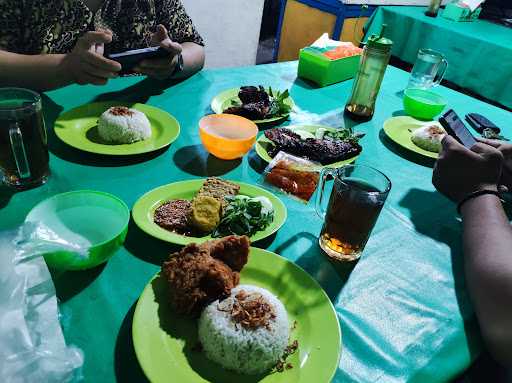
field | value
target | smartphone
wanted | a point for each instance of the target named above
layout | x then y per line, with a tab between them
456	128
130	59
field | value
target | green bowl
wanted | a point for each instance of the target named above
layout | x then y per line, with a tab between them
423	104
96	221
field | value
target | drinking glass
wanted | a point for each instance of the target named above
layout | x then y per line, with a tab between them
428	70
355	202
24	159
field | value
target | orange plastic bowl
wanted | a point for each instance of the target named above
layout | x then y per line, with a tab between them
227	136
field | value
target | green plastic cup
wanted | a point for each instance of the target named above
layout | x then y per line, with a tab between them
95	221
423	104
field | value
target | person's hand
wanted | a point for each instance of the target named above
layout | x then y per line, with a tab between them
506	149
459	171
85	64
161	68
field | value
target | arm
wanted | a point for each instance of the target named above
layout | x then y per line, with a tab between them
38	72
487	237
488	265
84	65
193	59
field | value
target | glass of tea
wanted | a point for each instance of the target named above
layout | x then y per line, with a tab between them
24	159
357	197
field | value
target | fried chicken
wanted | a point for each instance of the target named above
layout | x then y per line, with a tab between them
200	274
232	250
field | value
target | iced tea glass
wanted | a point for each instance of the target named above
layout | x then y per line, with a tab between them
24	159
357	197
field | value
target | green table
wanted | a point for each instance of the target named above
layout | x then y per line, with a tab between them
403	310
479	53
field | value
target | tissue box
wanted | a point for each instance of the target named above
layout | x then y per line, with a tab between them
315	66
455	12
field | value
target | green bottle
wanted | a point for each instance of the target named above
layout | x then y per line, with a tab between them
372	66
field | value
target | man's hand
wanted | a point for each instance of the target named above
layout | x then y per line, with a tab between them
460	171
161	68
85	64
505	149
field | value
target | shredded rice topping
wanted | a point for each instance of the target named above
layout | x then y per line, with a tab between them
250	310
121	111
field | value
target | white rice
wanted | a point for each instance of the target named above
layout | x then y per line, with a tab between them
124	129
429	137
247	351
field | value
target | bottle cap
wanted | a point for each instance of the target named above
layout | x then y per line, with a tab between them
379	41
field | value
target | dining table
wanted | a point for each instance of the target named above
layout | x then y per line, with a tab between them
479	53
403	308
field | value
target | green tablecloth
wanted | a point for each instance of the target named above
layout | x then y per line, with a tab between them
403	310
479	53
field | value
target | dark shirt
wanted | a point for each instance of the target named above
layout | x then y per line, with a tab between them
45	26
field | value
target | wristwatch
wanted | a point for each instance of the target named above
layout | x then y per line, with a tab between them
179	66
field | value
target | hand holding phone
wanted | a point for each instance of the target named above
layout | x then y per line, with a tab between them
456	128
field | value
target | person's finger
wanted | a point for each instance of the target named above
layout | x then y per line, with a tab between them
490	153
105	30
487	150
480	148
453	149
159	35
493	143
448	142
94	37
101	62
100	49
450	146
98	72
171	47
506	149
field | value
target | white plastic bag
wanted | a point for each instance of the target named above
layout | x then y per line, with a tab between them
32	345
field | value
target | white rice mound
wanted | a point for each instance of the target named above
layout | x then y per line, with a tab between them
429	137
123	128
247	351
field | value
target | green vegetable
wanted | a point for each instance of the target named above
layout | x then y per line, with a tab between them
278	106
343	134
243	216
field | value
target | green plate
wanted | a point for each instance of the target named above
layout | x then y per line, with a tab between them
262	142
399	130
77	128
223	101
163	341
144	210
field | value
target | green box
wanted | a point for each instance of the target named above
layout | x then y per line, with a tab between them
314	66
457	13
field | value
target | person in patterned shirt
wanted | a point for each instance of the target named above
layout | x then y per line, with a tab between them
47	44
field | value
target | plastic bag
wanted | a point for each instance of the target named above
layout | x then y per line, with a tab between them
32	345
292	175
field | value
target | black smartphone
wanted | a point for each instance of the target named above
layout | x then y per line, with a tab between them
130	59
456	128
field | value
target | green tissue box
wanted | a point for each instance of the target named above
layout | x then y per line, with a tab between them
316	67
457	13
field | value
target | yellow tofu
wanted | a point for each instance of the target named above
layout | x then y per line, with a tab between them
205	214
